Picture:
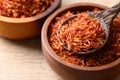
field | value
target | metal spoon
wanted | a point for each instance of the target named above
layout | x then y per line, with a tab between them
105	17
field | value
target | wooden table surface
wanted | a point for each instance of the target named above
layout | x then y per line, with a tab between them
23	60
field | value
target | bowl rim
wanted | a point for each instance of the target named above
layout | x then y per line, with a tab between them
55	4
46	45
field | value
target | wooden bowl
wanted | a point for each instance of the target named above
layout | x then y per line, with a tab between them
22	28
70	71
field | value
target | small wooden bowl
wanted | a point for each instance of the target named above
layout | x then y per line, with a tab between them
22	28
70	71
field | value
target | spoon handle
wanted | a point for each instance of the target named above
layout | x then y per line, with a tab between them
108	15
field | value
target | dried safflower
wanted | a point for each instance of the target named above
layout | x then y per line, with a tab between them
23	8
87	33
108	54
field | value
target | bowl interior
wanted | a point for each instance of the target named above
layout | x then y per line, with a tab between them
54	6
73	8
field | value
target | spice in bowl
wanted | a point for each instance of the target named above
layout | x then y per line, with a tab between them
110	52
81	34
23	8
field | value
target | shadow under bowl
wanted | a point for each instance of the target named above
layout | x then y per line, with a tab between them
22	28
70	71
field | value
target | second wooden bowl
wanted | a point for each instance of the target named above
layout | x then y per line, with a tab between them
22	28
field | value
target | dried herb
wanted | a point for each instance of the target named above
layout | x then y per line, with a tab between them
83	33
23	8
108	54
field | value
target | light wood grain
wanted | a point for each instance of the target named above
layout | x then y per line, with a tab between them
23	60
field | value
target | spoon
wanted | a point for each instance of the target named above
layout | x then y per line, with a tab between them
105	17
